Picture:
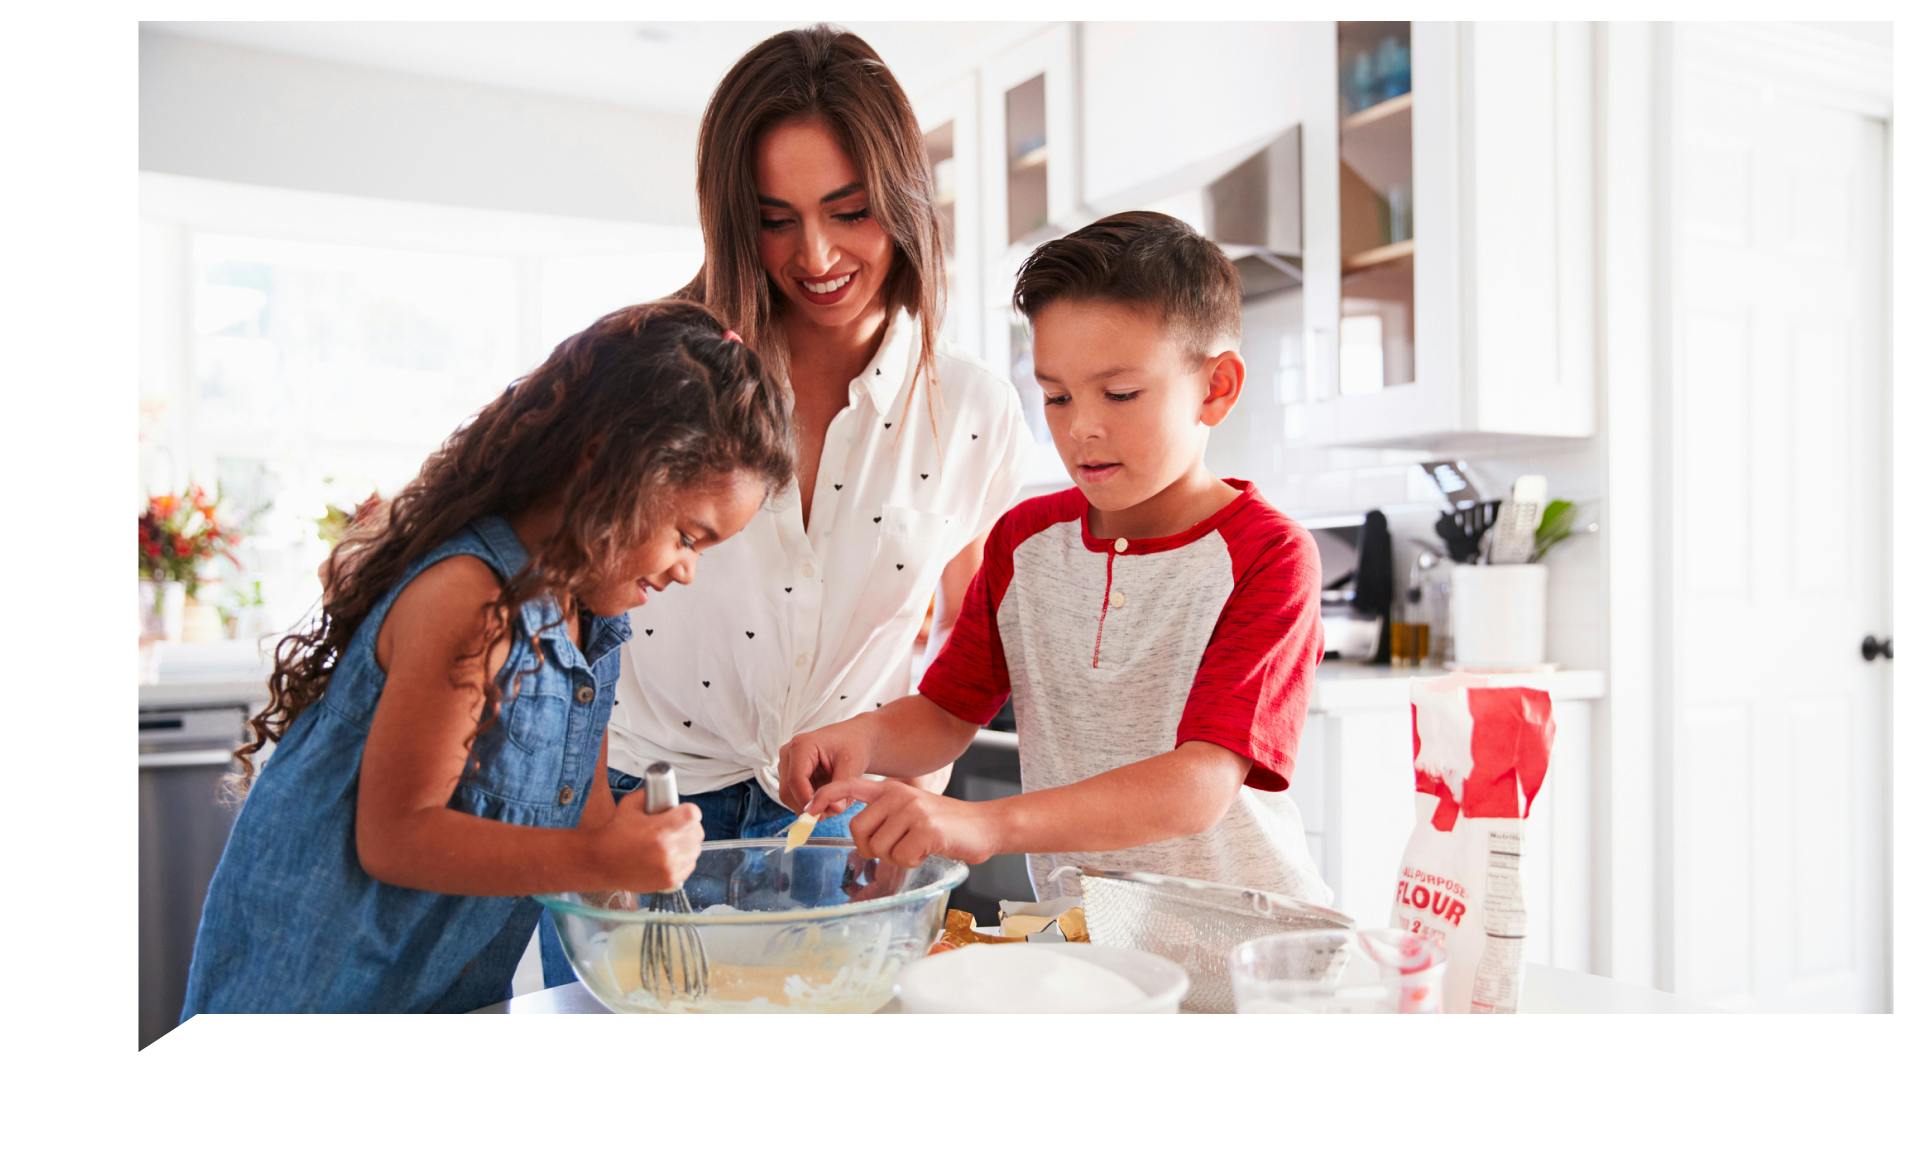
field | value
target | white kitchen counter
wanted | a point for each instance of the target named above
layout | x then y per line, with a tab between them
228	672
1544	990
1340	687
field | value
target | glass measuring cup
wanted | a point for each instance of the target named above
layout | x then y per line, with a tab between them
1355	970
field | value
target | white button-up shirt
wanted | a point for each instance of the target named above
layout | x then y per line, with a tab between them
789	627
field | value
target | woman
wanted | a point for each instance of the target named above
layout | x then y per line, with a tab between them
823	252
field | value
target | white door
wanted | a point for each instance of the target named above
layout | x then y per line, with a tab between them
1776	566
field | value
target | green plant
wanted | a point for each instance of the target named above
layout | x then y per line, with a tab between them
1556	526
333	526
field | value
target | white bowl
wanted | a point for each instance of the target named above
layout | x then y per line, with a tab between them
941	983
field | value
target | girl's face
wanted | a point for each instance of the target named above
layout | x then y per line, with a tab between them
695	520
822	248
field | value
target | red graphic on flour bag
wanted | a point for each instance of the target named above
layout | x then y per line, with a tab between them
1480	754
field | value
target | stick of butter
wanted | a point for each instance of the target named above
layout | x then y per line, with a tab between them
801	829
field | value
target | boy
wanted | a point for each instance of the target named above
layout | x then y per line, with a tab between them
1157	626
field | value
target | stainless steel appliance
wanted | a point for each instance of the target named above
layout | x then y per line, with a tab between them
1356	585
184	753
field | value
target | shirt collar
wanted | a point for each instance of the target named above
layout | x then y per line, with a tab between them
883	376
1141	545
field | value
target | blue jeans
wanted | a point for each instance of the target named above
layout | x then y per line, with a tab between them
742	811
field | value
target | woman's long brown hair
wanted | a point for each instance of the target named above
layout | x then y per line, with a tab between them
832	74
645	402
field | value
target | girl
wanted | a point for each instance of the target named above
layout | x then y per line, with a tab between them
823	249
440	750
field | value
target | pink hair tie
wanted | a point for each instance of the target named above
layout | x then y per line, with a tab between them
734	336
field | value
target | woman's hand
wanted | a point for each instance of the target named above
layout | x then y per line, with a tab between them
904	825
842	751
643	853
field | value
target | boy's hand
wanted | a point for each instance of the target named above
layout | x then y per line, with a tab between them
904	825
643	853
813	759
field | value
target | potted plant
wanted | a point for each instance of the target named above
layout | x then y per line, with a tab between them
179	534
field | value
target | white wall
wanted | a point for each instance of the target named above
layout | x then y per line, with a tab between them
231	114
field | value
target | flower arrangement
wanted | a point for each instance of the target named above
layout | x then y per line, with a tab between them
333	526
179	534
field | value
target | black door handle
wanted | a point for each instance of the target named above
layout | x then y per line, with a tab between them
1872	648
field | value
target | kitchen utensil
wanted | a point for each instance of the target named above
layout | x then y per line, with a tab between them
1193	923
1513	541
672	958
1451	478
964	980
818	929
1464	529
1377	970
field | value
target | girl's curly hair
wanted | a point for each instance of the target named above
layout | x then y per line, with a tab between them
646	401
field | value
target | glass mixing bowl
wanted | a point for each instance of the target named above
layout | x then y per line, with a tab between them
818	929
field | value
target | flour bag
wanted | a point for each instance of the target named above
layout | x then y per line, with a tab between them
1479	755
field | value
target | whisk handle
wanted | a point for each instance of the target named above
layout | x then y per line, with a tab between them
662	792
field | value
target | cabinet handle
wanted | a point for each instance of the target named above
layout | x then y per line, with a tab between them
1873	648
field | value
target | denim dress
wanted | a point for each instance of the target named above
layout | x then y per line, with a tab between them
292	923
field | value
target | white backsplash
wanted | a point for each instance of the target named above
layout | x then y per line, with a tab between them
1306	482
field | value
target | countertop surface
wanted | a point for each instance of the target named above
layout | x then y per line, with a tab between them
235	673
224	673
1543	990
1341	687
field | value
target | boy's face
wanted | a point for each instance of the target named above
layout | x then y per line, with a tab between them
1127	401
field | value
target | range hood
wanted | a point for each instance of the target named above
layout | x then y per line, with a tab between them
1247	201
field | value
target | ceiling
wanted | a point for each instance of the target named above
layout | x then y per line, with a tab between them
664	65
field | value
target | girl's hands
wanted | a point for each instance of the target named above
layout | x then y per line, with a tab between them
643	853
814	759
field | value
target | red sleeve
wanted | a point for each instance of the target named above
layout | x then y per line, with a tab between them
969	676
1250	694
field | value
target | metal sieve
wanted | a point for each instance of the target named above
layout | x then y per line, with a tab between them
1193	923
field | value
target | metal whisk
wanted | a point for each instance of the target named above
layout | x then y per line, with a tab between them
673	961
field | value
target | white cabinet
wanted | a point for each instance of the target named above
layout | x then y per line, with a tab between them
1030	150
1158	97
1490	248
950	124
1353	783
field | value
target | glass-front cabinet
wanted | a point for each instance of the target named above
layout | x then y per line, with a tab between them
1376	333
1447	175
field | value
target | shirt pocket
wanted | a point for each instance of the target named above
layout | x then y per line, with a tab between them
911	555
528	759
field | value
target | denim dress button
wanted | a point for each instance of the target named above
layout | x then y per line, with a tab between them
584	694
566	794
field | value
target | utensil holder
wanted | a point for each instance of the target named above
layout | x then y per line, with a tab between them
1499	614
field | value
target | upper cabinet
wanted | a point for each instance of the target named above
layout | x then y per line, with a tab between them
950	124
1030	155
1447	174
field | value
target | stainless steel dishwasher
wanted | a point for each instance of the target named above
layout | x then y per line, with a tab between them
184	753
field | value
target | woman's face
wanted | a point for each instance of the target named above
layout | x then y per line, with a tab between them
819	242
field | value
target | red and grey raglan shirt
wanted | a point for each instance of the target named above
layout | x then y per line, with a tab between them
1119	650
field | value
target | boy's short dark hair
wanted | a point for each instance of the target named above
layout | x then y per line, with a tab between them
1145	258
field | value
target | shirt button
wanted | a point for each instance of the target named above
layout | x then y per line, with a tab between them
807	571
1120	545
800	661
1119	599
566	795
584	694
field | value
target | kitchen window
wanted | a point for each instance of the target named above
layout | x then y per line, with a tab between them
300	364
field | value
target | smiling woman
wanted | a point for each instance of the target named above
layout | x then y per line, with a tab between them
823	252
